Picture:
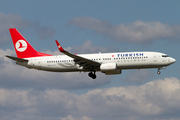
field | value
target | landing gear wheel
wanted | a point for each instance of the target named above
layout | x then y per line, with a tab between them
158	72
93	76
90	74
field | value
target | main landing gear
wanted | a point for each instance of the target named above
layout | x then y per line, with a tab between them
92	75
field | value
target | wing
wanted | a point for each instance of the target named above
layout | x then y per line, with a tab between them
86	63
17	59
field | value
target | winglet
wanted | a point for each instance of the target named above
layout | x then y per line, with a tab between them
60	47
77	57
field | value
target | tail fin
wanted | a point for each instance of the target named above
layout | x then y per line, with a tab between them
22	47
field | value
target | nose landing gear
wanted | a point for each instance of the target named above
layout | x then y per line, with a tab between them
92	75
158	72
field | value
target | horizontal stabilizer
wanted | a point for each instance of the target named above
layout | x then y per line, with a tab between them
17	59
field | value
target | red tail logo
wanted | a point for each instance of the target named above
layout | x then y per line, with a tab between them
22	47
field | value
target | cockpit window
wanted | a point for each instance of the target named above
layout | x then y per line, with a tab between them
165	56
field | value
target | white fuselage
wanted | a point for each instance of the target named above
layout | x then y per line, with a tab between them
123	60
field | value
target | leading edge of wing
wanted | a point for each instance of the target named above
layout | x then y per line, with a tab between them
76	57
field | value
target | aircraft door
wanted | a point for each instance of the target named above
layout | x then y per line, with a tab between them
39	64
155	57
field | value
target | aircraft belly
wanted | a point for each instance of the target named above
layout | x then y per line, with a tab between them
139	65
60	70
60	67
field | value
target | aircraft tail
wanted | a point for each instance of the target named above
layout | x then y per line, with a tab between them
22	47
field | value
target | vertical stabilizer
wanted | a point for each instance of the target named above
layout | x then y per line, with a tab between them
22	47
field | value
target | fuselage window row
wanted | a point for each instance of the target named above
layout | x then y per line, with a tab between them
130	58
99	59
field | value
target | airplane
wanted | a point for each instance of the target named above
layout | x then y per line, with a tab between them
108	63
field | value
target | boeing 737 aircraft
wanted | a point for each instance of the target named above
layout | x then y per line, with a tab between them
108	63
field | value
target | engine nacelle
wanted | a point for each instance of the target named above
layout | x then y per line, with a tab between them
109	68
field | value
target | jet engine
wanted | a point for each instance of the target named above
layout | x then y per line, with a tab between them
109	68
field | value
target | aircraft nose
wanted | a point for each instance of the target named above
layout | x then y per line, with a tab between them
172	60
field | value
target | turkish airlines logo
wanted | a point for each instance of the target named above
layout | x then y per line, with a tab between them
59	46
21	45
